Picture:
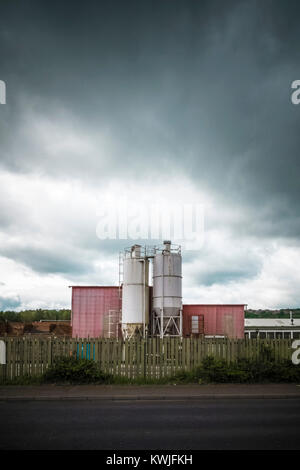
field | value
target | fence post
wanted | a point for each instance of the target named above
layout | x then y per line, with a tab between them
49	352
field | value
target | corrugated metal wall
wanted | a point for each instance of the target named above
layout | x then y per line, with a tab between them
89	305
223	320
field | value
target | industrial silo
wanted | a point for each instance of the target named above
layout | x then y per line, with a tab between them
167	291
135	292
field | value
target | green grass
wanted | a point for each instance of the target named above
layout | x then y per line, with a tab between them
24	380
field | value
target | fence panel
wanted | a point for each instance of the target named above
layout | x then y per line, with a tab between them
145	358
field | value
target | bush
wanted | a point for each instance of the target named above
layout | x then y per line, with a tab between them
72	370
214	370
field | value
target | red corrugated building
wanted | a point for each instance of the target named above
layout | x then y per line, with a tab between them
213	320
90	304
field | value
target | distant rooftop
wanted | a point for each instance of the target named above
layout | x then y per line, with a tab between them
271	322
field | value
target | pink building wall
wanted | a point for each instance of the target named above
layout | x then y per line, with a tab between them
223	320
89	305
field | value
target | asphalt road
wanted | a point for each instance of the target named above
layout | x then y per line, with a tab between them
208	424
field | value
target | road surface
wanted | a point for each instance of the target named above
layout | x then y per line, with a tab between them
121	425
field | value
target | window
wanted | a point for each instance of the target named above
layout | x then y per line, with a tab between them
296	334
262	335
270	334
253	334
195	324
287	335
278	335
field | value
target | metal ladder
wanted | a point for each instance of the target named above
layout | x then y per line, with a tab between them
121	272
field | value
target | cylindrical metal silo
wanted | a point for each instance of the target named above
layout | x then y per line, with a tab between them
135	293
167	291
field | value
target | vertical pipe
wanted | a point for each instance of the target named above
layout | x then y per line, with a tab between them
163	298
72	308
144	295
180	322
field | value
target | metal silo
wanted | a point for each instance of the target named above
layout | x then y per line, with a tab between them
135	292
167	291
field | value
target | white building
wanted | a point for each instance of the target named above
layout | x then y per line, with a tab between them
269	328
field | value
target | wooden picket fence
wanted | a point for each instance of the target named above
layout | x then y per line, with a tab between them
150	358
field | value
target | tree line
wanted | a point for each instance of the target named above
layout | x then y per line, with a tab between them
65	314
281	313
35	315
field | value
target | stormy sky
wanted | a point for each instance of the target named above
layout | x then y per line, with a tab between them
172	102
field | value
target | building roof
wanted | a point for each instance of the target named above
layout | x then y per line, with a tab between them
96	287
215	305
271	322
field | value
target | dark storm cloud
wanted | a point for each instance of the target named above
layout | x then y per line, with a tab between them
201	88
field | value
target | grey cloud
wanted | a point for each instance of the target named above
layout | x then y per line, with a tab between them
204	86
44	261
148	90
223	260
8	303
203	90
210	277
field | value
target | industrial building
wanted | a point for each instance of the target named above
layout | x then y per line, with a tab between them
137	308
92	307
272	328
